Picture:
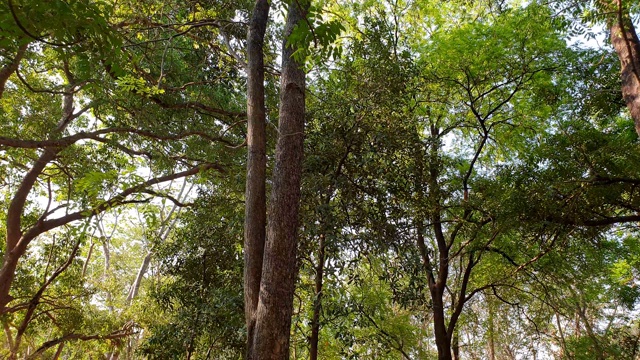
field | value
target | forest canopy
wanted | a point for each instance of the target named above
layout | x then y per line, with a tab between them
311	179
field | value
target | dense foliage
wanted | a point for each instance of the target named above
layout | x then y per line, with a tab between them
469	185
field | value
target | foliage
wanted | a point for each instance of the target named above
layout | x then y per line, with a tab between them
469	121
200	293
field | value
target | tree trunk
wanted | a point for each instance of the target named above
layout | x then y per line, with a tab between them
275	304
455	346
56	356
317	302
436	280
600	353
626	44
437	287
491	332
17	239
255	193
135	287
443	339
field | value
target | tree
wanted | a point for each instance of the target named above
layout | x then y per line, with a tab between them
617	16
99	109
270	264
625	41
468	187
200	289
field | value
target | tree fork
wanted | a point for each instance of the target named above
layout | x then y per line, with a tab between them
271	334
255	192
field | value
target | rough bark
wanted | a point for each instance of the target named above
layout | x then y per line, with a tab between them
275	303
255	193
627	46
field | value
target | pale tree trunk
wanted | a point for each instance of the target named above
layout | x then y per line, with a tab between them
600	353
491	332
86	263
255	193
168	224
563	342
271	334
106	242
135	287
627	46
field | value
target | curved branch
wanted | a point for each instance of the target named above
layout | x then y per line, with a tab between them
197	106
12	67
31	35
120	199
95	135
119	334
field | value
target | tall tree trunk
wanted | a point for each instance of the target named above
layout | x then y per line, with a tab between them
626	44
443	340
168	224
317	301
275	305
437	287
255	193
600	353
491	332
436	280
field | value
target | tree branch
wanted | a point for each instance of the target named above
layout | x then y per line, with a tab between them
95	135
118	334
12	67
46	225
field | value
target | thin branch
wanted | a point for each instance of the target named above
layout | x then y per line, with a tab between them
120	199
31	35
95	135
118	334
166	196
